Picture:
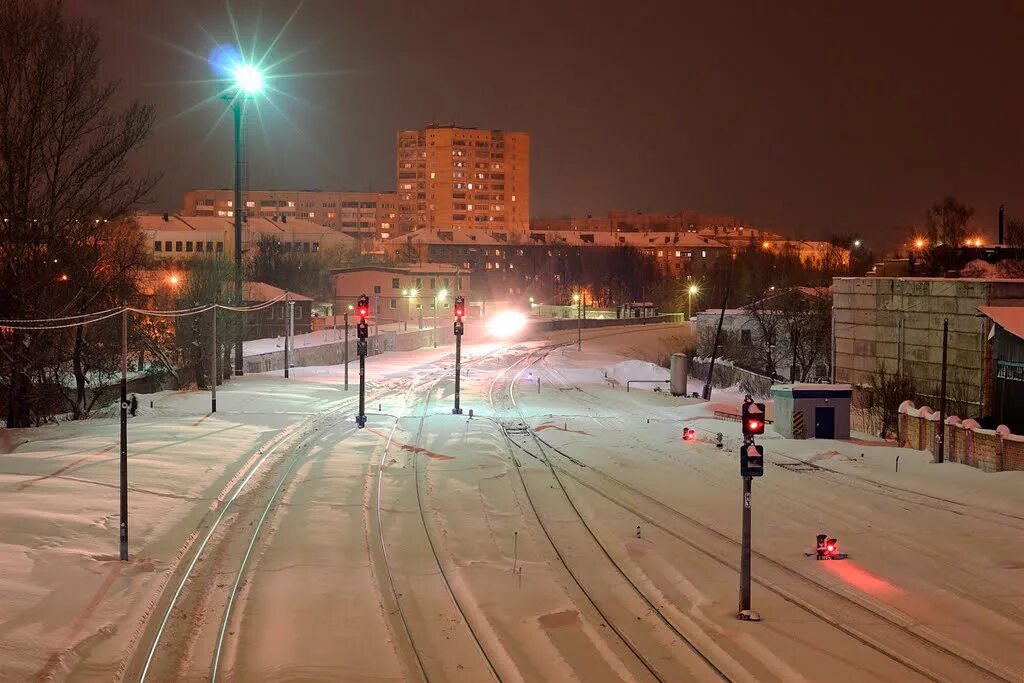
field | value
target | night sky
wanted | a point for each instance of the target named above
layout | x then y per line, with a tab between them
810	118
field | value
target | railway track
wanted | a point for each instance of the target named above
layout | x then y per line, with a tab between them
952	659
970	665
431	384
538	452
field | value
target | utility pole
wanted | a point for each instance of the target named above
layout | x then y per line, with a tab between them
291	329
940	436
236	108
124	433
213	363
795	341
376	324
287	360
718	332
460	312
346	350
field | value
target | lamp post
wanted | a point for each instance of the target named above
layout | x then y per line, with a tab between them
691	292
438	296
246	82
579	322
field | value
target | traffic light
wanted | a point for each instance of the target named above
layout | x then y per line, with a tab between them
752	460
826	548
753	419
363	310
460	307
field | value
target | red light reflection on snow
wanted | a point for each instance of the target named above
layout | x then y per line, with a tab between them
860	578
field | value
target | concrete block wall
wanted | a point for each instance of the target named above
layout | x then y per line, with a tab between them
965	442
868	313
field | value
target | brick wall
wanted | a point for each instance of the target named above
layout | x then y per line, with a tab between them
965	442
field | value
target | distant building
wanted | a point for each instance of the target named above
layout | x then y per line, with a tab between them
371	215
272	321
895	324
401	293
176	237
453	178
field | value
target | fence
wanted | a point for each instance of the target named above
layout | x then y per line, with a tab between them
573	323
334	353
990	450
728	375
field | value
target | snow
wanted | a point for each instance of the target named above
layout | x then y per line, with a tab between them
935	547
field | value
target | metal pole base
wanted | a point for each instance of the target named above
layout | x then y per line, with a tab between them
213	406
456	411
361	421
748	615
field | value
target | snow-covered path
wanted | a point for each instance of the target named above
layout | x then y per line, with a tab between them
505	546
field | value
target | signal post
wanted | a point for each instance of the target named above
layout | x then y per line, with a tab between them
362	332
751	465
460	312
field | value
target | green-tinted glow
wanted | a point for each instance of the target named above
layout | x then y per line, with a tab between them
249	79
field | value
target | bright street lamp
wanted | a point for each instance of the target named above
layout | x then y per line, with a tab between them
856	244
691	292
248	79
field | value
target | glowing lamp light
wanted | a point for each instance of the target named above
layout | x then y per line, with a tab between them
506	324
919	243
575	298
443	294
173	280
766	244
755	425
694	289
856	243
248	79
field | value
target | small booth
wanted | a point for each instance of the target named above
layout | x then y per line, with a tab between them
812	411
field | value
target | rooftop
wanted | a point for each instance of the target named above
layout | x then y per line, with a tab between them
1010	318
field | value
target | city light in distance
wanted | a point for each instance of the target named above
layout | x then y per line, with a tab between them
506	324
919	243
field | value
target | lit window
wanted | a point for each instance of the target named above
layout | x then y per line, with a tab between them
469	186
311	214
230	203
513	197
385	235
332	214
291	204
660	254
678	254
433	175
249	204
703	254
469	207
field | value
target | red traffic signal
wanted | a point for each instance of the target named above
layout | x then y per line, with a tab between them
363	306
753	419
460	307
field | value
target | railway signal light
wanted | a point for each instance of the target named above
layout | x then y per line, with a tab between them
460	307
826	548
363	307
752	460
753	419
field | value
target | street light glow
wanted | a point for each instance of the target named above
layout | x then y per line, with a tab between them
919	243
173	279
413	292
443	294
856	243
694	289
575	298
248	79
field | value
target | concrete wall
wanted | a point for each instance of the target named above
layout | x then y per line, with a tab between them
896	324
965	442
334	353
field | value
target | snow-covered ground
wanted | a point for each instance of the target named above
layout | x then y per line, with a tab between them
431	545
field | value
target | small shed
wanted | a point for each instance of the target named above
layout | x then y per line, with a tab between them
819	411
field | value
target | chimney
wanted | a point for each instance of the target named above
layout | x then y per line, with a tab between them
1000	224
167	219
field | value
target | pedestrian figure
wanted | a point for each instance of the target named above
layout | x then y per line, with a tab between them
133	405
638	531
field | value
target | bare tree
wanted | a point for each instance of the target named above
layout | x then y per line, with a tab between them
947	222
64	153
888	391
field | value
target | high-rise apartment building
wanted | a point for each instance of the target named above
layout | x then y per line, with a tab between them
359	214
451	178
